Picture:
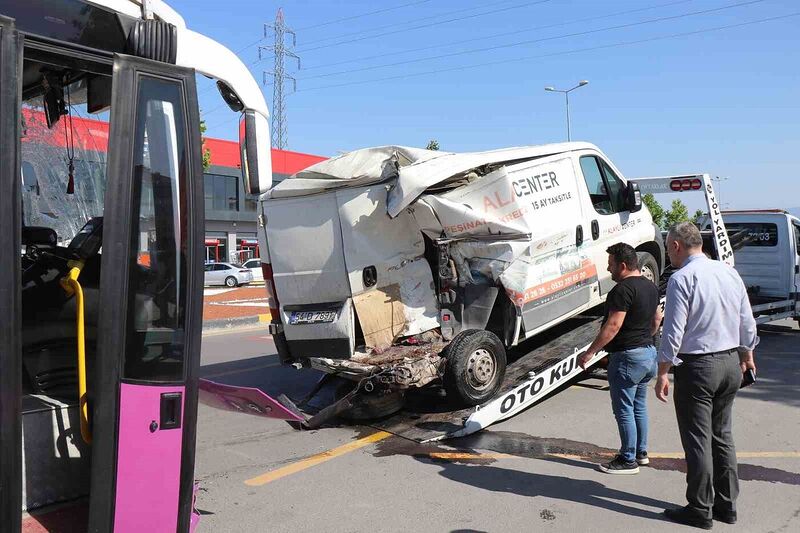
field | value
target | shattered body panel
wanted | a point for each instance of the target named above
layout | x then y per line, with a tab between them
399	366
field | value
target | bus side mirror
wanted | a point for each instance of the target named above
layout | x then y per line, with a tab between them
255	150
633	198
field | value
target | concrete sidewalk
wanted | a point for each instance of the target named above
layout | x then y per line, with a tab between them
237	307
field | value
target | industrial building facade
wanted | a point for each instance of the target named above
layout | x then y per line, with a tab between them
230	213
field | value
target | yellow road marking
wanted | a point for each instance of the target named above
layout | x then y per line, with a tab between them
325	456
458	456
299	466
461	456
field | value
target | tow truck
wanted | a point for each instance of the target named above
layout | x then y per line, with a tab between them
536	370
769	261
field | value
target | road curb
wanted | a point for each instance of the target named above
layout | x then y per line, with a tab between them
239	322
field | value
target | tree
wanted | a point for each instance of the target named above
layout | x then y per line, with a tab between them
204	149
678	213
656	211
698	215
433	144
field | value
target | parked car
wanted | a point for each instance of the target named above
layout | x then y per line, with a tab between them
254	265
227	274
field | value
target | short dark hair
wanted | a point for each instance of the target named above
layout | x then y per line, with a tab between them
624	253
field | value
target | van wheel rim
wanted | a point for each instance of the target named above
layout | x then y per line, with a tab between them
481	369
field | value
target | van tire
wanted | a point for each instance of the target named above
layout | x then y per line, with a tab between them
648	266
476	366
230	281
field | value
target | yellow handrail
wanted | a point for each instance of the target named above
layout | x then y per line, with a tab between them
71	286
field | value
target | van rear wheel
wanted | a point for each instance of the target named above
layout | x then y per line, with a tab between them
648	266
476	366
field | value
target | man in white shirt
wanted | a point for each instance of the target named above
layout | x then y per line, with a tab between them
709	335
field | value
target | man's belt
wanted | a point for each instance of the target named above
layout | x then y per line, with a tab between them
721	352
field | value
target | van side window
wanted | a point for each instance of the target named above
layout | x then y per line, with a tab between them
598	191
797	239
616	187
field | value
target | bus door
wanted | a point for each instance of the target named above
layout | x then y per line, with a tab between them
149	332
10	299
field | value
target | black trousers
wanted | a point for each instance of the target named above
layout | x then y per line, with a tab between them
705	387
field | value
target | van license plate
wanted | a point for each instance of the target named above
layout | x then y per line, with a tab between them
311	317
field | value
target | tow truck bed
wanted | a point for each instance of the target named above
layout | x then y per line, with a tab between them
537	369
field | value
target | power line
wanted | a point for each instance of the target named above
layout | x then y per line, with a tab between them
504	34
353	17
555	54
404	22
541	56
242	49
533	41
427	25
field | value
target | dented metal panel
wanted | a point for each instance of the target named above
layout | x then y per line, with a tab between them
400	301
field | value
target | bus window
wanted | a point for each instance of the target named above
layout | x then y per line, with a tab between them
158	290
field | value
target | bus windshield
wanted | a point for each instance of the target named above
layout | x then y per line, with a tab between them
63	166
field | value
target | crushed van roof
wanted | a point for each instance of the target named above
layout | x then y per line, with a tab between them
414	169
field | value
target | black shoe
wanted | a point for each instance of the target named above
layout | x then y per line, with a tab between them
620	466
642	458
688	517
729	517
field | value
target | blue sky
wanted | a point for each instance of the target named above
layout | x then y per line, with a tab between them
723	102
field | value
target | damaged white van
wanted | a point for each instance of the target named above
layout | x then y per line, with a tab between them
396	267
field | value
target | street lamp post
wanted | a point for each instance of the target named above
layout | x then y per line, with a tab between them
719	181
566	97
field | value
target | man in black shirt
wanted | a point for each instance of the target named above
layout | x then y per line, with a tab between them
632	317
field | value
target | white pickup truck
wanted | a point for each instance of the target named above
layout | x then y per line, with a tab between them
769	261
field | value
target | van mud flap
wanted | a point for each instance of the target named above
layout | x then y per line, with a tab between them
549	365
246	400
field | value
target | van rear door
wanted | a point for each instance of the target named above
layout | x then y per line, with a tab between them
305	246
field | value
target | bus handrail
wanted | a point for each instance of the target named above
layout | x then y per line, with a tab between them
72	286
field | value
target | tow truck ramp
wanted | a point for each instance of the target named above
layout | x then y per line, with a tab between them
547	367
529	379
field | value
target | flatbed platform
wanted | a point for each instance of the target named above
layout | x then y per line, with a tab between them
536	368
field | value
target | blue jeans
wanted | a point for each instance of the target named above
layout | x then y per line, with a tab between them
629	371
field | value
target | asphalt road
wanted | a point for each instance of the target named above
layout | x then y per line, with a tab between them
533	472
